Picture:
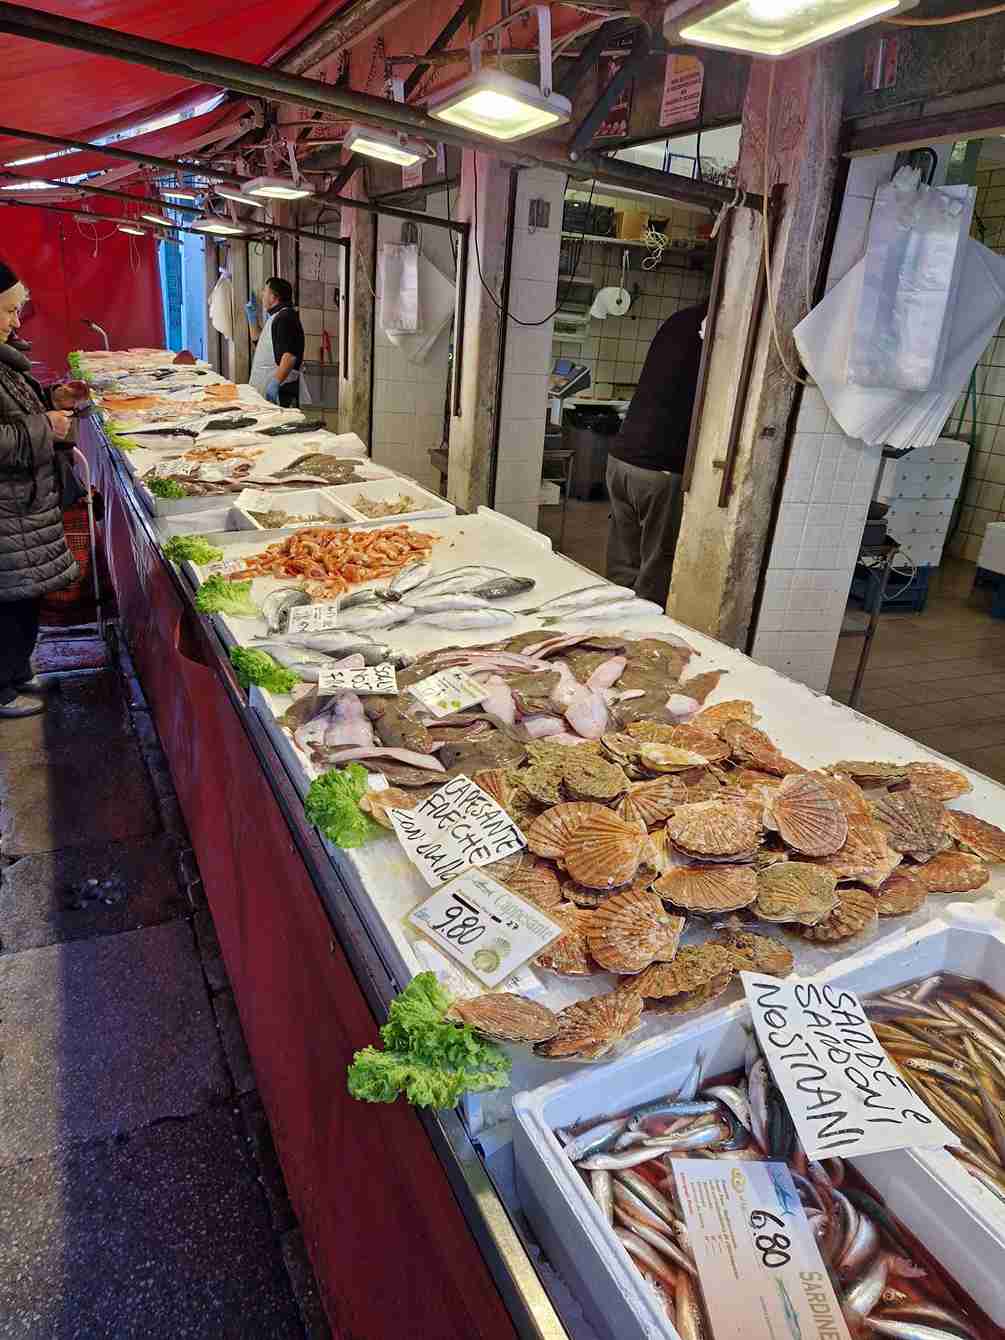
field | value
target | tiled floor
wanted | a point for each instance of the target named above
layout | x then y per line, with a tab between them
938	676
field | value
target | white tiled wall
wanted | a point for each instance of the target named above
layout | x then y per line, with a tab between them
826	496
533	285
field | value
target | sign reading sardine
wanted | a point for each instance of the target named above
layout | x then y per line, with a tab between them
458	826
845	1095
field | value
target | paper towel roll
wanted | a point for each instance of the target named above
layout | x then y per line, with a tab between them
611	302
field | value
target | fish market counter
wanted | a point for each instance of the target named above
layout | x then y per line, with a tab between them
317	943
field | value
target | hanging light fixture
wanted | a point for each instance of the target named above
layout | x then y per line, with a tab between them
386	146
276	188
181	193
152	217
772	28
497	104
219	226
232	193
132	230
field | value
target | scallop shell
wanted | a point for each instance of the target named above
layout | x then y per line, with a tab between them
855	912
751	779
849	794
771	853
694	1000
953	872
498	783
899	894
593	778
631	930
660	853
550	831
700	686
668	758
620	747
605	853
537	882
754	749
755	953
795	891
650	732
708	889
543	781
375	803
568	954
871	773
591	1027
714	829
651	802
715	717
914	822
977	835
582	896
807	815
704	786
689	737
864	850
944	783
506	1017
693	967
875	875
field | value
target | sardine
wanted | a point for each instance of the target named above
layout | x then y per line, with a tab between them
692	1081
734	1099
602	1187
655	1238
687	1308
414	574
863	1246
336	642
702	1136
648	1256
477	618
595	1139
277	605
897	1329
499	588
649	1195
464	578
930	1314
629	1158
375	616
671	1107
633	1205
757	1092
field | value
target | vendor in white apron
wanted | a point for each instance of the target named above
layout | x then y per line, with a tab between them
275	370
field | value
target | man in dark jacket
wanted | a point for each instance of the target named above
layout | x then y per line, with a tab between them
34	559
646	460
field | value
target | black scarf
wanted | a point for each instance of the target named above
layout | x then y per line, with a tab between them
15	380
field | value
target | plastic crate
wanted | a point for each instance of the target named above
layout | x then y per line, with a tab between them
912	599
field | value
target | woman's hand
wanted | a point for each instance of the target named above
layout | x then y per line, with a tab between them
61	423
69	394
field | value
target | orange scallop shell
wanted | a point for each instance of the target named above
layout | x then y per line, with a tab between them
651	802
715	717
506	1017
914	822
756	953
605	853
497	783
953	872
940	781
632	929
977	835
537	882
795	892
871	773
569	954
808	816
550	831
856	911
714	829
590	1028
693	967
899	894
754	749
865	850
708	889
849	794
669	758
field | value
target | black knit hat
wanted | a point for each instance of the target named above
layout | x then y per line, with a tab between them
7	277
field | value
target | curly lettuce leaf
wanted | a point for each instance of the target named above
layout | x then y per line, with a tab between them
332	805
192	547
217	595
258	667
118	440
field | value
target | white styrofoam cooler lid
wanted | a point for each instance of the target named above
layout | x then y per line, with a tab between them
992	555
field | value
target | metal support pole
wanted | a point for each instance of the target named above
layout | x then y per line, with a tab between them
114	151
625	72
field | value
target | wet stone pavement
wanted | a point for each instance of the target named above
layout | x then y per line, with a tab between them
140	1194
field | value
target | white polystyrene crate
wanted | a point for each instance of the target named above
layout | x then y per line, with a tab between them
950	1212
305	502
992	555
379	490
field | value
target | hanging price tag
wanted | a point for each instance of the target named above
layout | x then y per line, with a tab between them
371	679
485	926
760	1269
448	691
313	618
457	826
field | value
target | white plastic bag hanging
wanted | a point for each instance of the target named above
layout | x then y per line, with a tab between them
912	265
398	281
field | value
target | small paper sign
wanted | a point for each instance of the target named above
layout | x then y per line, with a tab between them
760	1269
371	679
448	691
845	1095
459	825
682	83
252	500
224	567
313	618
484	926
176	467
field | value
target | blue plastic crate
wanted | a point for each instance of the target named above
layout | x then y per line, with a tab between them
864	591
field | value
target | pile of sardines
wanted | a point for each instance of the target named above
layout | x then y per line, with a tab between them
947	1036
626	1161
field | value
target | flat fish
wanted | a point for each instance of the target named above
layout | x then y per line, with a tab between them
470	618
499	588
277	605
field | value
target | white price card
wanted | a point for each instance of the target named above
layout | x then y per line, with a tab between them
175	466
459	825
371	679
846	1097
313	618
223	567
758	1263
448	691
485	926
252	500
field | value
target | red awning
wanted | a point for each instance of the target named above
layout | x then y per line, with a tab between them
65	92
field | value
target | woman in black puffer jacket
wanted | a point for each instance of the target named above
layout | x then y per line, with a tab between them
34	559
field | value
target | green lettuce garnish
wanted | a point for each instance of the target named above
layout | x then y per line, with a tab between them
217	595
332	805
191	547
429	1059
123	443
165	488
258	667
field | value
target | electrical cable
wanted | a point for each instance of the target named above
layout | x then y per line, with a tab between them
492	297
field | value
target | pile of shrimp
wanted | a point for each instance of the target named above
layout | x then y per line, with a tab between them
329	560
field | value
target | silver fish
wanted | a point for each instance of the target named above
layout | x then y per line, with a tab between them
701	1136
687	1308
672	1108
930	1314
908	1330
499	588
692	1082
374	616
648	1256
369	596
414	574
860	1250
446	600
655	1239
608	609
277	605
733	1098
861	1297
629	1158
626	1200
336	642
582	598
478	618
594	1140
464	578
758	1081
602	1187
650	1196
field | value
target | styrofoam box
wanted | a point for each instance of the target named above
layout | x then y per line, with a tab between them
950	1212
992	555
427	504
306	502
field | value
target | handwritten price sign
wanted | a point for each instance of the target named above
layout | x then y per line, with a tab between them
314	618
371	679
845	1095
459	825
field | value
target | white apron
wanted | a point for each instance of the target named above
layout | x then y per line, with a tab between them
264	366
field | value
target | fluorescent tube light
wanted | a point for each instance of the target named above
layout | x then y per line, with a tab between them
386	146
772	28
499	105
276	188
131	229
220	227
162	219
232	193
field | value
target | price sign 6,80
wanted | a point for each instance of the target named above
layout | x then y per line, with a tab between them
459	924
773	1248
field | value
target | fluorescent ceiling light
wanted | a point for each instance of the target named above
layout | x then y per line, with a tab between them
32	186
386	146
276	188
212	223
773	28
232	193
180	193
132	230
158	218
498	105
39	158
